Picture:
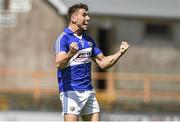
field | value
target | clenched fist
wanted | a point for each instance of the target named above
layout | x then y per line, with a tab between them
73	48
124	47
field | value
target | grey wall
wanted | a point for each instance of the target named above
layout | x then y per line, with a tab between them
29	45
146	55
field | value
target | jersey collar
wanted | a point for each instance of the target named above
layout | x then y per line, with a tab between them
68	31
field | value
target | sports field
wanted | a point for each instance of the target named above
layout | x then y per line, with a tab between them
108	116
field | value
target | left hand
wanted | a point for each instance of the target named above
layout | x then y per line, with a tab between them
124	47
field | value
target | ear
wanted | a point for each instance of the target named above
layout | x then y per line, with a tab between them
73	19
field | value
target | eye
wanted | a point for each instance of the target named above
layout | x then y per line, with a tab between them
84	14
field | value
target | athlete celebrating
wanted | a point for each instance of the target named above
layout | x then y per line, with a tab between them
74	52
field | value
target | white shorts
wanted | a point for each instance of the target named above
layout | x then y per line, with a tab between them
79	102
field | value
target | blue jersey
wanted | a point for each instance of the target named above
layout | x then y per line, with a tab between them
77	74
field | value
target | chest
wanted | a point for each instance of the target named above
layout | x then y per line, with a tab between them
84	53
83	43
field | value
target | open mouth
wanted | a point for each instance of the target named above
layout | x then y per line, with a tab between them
86	23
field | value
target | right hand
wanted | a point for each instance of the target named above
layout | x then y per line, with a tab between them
73	48
124	47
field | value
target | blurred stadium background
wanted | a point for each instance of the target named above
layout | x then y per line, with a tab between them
143	85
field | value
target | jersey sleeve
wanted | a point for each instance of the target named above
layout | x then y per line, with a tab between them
60	45
95	50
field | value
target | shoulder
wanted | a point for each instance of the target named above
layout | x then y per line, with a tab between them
63	36
88	38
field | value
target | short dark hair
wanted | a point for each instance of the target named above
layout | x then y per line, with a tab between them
75	8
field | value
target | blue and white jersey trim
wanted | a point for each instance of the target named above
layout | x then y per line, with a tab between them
81	57
58	41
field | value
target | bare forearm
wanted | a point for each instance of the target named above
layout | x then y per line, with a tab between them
63	58
105	62
114	58
63	61
109	61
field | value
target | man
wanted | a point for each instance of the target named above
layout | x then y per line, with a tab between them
74	52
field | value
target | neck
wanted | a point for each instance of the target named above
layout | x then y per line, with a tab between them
74	28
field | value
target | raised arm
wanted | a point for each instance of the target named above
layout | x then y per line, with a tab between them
105	62
63	58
